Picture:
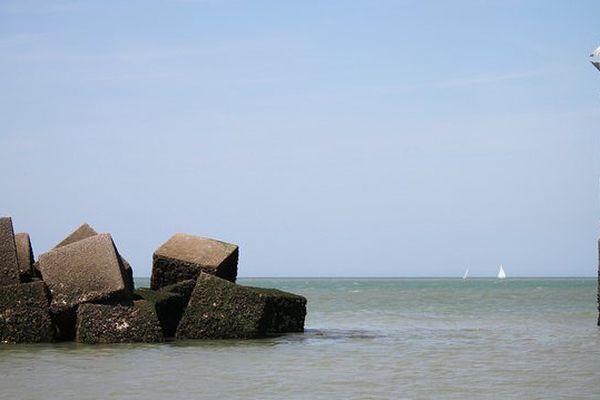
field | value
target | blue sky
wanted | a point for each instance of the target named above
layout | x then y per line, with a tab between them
338	138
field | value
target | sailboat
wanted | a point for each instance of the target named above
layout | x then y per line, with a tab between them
501	273
466	273
595	54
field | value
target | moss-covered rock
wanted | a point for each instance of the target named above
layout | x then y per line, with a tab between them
100	323
219	309
285	311
24	314
169	307
184	288
184	257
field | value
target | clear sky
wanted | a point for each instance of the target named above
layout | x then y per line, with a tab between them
326	138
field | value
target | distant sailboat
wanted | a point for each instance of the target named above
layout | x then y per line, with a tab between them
466	274
596	54
501	273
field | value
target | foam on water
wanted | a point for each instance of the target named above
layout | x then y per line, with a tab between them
365	338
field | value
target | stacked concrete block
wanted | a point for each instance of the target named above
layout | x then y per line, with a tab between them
25	256
82	290
9	262
85	231
24	313
219	309
169	307
100	323
185	256
82	272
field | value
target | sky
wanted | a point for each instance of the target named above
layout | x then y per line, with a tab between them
337	138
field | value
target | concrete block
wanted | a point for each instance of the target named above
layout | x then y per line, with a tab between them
9	263
24	313
219	309
25	256
169	307
82	272
184	257
85	231
101	323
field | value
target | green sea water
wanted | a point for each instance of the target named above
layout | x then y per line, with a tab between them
364	339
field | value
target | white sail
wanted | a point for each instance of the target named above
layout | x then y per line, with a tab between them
596	53
466	273
501	273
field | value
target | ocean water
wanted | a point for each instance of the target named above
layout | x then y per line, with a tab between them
364	339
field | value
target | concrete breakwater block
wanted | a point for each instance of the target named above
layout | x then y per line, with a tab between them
101	323
24	315
184	288
185	256
285	311
85	231
219	309
169	307
9	263
25	256
81	272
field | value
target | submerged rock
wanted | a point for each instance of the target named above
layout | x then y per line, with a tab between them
101	323
24	315
184	257
9	263
169	307
84	271
219	309
25	256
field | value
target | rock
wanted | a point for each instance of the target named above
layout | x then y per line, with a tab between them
24	315
184	256
9	264
101	323
169	307
25	256
85	231
286	311
81	272
219	309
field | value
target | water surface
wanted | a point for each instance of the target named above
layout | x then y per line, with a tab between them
365	338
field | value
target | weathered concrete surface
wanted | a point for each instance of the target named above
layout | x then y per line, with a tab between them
184	288
185	256
81	272
169	307
85	231
100	323
25	256
9	263
24	314
219	309
285	311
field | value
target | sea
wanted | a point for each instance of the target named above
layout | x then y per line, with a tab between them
392	338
